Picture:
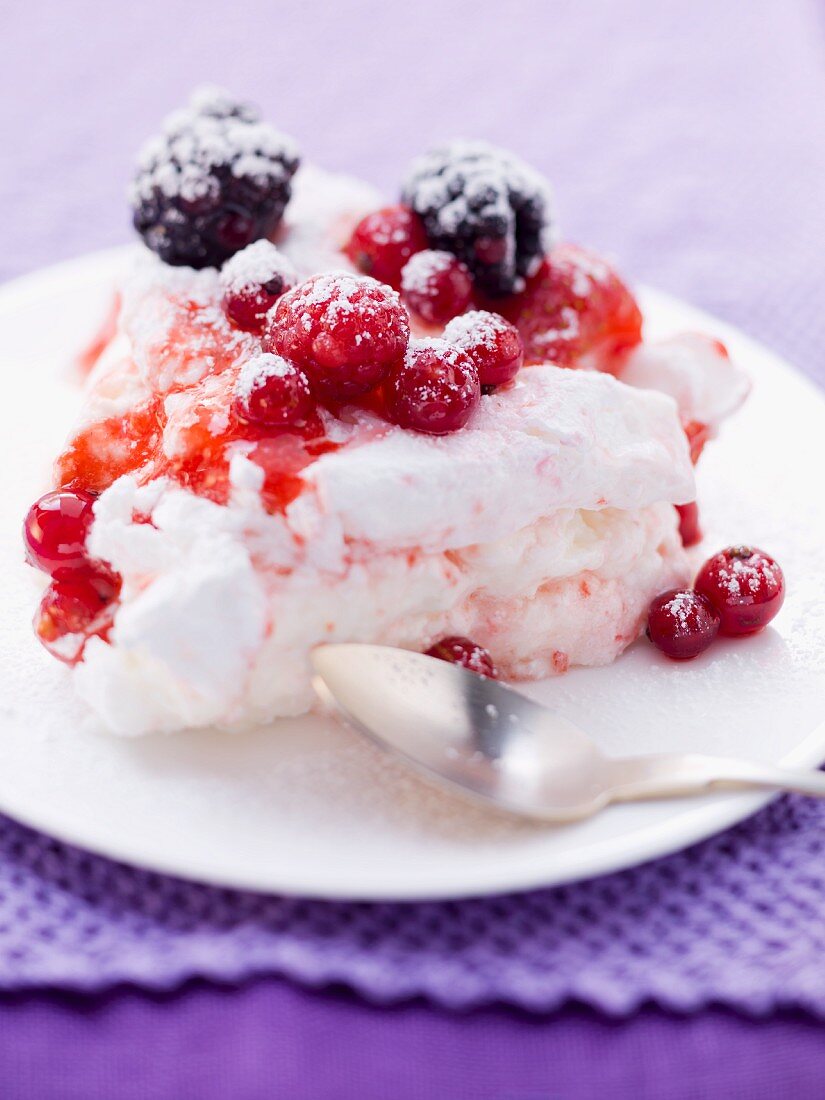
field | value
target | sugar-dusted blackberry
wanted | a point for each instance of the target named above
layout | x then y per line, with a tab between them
214	180
487	207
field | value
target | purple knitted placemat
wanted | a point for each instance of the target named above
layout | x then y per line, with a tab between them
686	137
735	920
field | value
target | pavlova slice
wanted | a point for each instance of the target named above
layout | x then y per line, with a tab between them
278	449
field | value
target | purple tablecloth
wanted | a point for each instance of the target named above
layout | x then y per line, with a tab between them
688	138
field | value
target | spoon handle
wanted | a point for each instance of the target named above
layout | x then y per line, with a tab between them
669	776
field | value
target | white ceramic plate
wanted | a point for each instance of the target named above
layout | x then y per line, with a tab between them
304	806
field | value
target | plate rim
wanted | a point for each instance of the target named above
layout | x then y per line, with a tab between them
680	831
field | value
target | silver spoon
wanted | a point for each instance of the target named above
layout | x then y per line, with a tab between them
496	745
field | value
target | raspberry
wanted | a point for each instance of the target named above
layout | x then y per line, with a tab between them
345	331
274	393
575	311
745	585
682	624
383	241
434	390
485	206
55	531
493	344
253	280
213	181
436	286
464	652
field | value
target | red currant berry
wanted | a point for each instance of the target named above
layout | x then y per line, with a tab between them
273	392
436	286
345	331
383	242
435	389
493	344
745	585
253	280
73	609
55	531
689	529
682	624
464	652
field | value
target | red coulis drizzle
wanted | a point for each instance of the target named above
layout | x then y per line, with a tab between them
106	450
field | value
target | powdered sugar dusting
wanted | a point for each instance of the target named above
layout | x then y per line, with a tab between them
257	370
449	354
746	577
343	297
682	606
207	134
422	268
255	266
495	173
476	328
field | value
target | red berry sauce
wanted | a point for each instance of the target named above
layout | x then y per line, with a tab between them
435	388
345	331
436	286
464	652
682	624
195	367
383	242
493	344
574	309
745	585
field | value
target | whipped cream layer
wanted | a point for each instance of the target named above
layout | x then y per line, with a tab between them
555	439
222	605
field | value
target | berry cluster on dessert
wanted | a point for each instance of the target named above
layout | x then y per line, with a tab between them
322	418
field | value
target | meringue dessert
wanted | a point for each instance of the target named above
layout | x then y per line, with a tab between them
319	418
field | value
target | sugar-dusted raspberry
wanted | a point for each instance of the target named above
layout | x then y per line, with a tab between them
436	286
345	331
682	624
745	585
273	392
212	182
487	207
493	344
465	652
383	241
253	280
575	311
435	388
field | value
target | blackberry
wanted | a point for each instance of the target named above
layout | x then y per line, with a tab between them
215	179
487	207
